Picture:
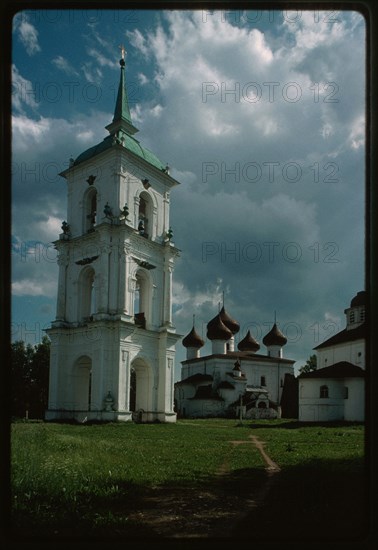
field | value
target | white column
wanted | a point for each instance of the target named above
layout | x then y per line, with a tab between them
53	376
125	388
62	288
103	295
166	213
113	279
167	298
123	305
171	365
136	212
154	223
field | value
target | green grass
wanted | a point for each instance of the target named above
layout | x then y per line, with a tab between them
83	478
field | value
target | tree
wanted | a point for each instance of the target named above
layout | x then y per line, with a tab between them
310	365
40	378
30	378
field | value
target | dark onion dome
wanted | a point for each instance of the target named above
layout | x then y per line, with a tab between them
359	299
217	330
193	340
274	337
248	343
230	323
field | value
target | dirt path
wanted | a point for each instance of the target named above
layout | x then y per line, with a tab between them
209	512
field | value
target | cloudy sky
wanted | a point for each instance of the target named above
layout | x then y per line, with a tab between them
260	116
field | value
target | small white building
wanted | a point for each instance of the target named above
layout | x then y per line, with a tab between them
113	339
218	384
336	390
332	393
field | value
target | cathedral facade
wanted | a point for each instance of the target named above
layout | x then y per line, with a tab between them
113	340
229	382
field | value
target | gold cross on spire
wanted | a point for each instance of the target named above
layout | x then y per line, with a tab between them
123	51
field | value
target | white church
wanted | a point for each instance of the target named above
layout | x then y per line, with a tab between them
113	340
231	382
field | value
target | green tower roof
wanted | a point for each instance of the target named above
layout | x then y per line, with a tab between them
121	130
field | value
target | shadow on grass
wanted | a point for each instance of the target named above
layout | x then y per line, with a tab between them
82	516
295	424
138	512
321	500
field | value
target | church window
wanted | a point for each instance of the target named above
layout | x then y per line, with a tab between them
346	392
145	215
323	391
263	381
90	211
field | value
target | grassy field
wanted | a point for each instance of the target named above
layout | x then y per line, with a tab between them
86	479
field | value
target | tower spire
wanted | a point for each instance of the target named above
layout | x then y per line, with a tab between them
122	117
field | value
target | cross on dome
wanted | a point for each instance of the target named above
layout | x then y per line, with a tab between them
123	51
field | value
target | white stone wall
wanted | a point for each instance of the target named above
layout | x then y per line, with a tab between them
202	408
353	352
354	406
313	408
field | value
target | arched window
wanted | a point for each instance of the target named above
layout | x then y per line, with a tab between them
263	381
262	405
323	391
145	215
90	210
87	297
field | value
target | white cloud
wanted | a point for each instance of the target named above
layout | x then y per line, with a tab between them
100	58
92	74
138	41
27	34
156	111
64	65
142	79
30	287
357	133
22	91
26	131
86	136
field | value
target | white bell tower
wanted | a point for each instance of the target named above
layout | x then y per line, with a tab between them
113	340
